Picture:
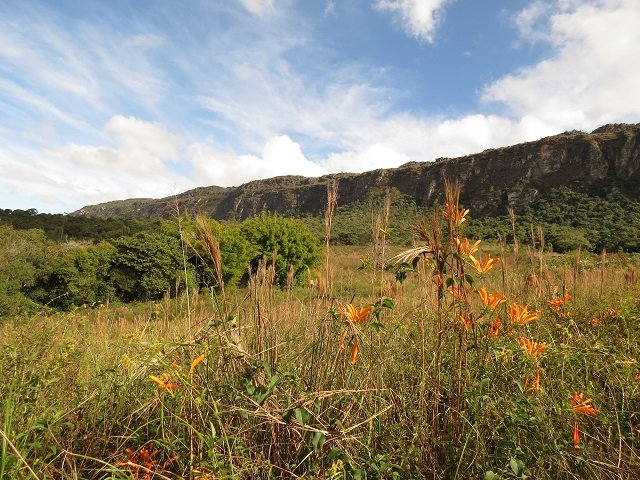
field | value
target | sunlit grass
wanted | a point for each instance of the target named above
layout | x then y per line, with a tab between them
506	377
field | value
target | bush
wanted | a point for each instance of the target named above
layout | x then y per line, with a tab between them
294	243
22	252
565	239
146	265
235	251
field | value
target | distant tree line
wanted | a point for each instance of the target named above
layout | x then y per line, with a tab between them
37	272
63	227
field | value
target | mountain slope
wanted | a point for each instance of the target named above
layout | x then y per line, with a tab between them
491	180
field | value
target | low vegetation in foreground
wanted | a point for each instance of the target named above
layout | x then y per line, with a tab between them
465	360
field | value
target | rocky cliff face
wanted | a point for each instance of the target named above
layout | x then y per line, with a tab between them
491	180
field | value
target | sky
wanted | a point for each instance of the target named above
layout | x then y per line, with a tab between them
106	100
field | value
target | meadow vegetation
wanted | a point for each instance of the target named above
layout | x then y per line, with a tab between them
451	358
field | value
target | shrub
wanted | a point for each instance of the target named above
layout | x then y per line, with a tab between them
146	265
235	251
294	243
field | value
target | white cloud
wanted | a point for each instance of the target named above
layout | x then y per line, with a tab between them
125	162
419	18
371	158
259	7
138	135
71	176
591	79
531	21
280	156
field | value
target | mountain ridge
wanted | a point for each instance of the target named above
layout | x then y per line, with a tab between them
493	179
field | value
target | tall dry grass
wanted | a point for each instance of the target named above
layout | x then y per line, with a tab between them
275	396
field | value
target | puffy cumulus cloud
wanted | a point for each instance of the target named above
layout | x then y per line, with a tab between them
72	175
407	138
399	140
280	156
531	21
593	75
370	158
419	18
259	7
139	135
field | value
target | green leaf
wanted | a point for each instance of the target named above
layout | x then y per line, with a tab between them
517	467
250	387
302	416
286	416
387	303
318	440
274	382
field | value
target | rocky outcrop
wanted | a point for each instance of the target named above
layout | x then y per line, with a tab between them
490	180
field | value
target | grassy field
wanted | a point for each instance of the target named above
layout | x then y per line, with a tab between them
538	379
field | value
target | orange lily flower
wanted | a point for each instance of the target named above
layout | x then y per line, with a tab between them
165	382
576	436
457	292
556	303
466	248
495	327
612	312
581	405
144	462
195	363
532	386
354	352
595	321
520	315
532	348
454	215
491	301
354	315
466	321
486	265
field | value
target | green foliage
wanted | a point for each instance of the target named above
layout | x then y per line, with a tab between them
353	223
63	227
146	265
572	219
75	276
235	251
294	243
22	254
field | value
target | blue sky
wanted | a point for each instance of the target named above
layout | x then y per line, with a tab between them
109	100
